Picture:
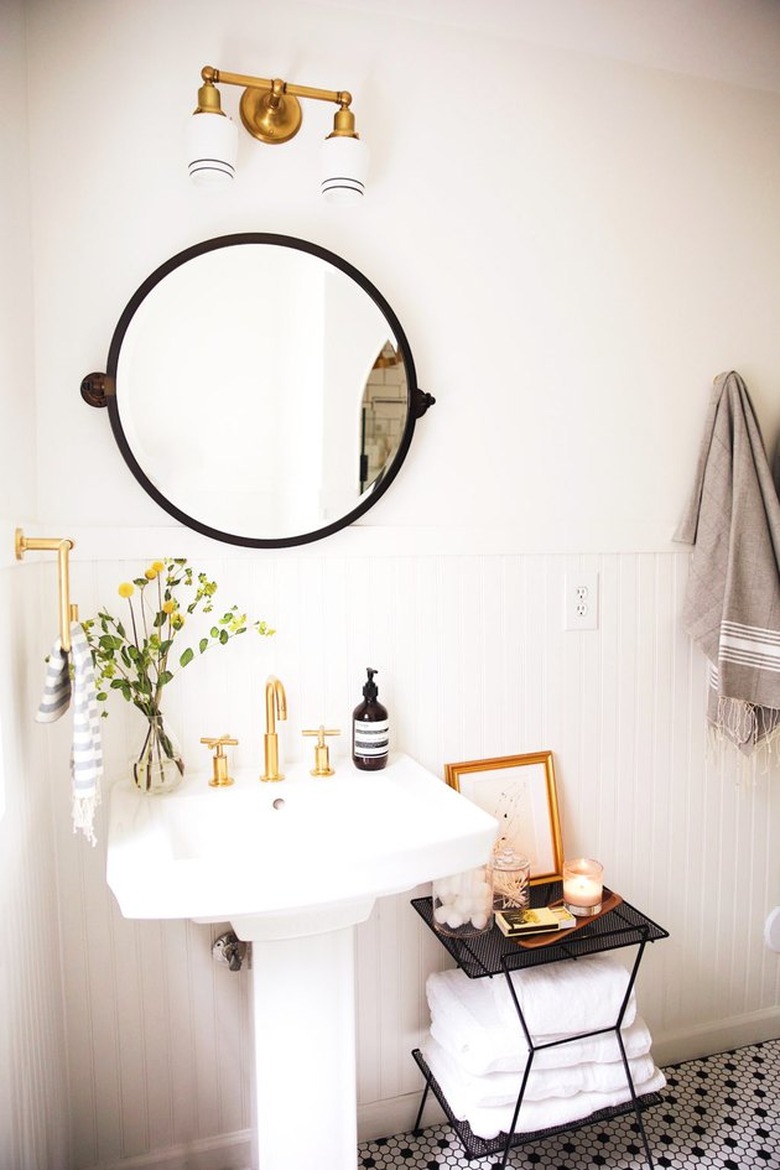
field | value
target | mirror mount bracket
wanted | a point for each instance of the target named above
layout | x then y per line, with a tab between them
421	401
97	388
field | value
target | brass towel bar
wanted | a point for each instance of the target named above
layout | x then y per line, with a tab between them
68	613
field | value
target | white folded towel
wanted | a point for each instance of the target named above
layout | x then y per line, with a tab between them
86	761
466	1022
489	1121
571	997
501	1088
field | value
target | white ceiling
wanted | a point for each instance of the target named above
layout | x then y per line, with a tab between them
737	41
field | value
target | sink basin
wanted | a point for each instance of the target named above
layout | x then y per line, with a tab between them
294	865
299	856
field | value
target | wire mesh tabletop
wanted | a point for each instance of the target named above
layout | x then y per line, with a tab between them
490	953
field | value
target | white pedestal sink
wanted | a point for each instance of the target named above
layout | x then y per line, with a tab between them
293	866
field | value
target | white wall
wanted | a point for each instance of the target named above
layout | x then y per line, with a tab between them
33	1080
575	242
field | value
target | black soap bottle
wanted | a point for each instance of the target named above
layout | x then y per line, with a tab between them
370	729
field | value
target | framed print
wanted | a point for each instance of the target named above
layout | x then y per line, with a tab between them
519	791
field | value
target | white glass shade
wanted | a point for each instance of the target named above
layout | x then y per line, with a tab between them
344	169
212	145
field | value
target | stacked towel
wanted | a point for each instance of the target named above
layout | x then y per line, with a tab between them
488	1121
61	687
478	1053
566	997
466	1021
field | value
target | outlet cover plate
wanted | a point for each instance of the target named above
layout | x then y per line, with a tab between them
581	600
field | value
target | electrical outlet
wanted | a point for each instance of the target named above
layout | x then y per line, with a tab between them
581	601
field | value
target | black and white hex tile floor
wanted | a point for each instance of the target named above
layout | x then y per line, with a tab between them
721	1112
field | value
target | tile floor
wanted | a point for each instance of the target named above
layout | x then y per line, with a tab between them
721	1112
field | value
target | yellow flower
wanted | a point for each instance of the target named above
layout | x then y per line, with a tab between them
177	621
126	589
158	566
169	606
150	573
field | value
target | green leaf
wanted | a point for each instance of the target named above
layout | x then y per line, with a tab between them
186	657
203	644
165	677
224	637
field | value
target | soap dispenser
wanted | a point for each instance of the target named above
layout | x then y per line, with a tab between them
370	729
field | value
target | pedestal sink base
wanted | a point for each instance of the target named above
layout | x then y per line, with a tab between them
303	993
294	866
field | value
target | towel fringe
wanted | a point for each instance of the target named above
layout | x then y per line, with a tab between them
83	815
727	752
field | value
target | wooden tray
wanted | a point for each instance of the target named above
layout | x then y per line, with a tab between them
609	901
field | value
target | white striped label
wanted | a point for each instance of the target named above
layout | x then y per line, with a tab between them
371	739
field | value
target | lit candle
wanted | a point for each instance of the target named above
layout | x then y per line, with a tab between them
582	886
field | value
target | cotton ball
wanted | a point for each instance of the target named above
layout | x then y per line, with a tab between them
479	921
440	914
454	919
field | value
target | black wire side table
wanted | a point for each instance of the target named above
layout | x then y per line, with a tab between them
491	954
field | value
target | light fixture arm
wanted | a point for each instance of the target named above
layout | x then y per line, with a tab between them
341	97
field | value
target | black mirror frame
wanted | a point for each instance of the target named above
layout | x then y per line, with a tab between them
99	390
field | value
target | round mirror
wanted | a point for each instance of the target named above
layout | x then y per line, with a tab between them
261	390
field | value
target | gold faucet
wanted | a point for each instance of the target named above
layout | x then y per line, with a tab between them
275	707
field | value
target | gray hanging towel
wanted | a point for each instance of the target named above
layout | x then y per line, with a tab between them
732	603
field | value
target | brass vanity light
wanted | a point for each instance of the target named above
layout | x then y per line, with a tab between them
271	112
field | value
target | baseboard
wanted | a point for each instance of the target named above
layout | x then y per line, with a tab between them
717	1036
227	1151
397	1114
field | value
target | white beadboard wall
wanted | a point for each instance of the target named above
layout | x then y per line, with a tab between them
33	1073
473	662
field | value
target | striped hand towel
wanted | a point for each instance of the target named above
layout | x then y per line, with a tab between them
63	686
732	603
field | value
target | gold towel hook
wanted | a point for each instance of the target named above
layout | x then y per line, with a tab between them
62	546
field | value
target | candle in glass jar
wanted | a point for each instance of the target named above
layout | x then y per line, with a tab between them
582	886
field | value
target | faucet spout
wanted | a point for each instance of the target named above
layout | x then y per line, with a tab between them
275	708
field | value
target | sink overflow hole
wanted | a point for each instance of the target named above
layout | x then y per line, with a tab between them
279	802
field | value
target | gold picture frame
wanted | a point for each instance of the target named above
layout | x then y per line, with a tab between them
520	792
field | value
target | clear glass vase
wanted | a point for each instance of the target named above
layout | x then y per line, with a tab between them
159	766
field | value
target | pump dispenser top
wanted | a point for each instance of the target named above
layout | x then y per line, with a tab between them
370	729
